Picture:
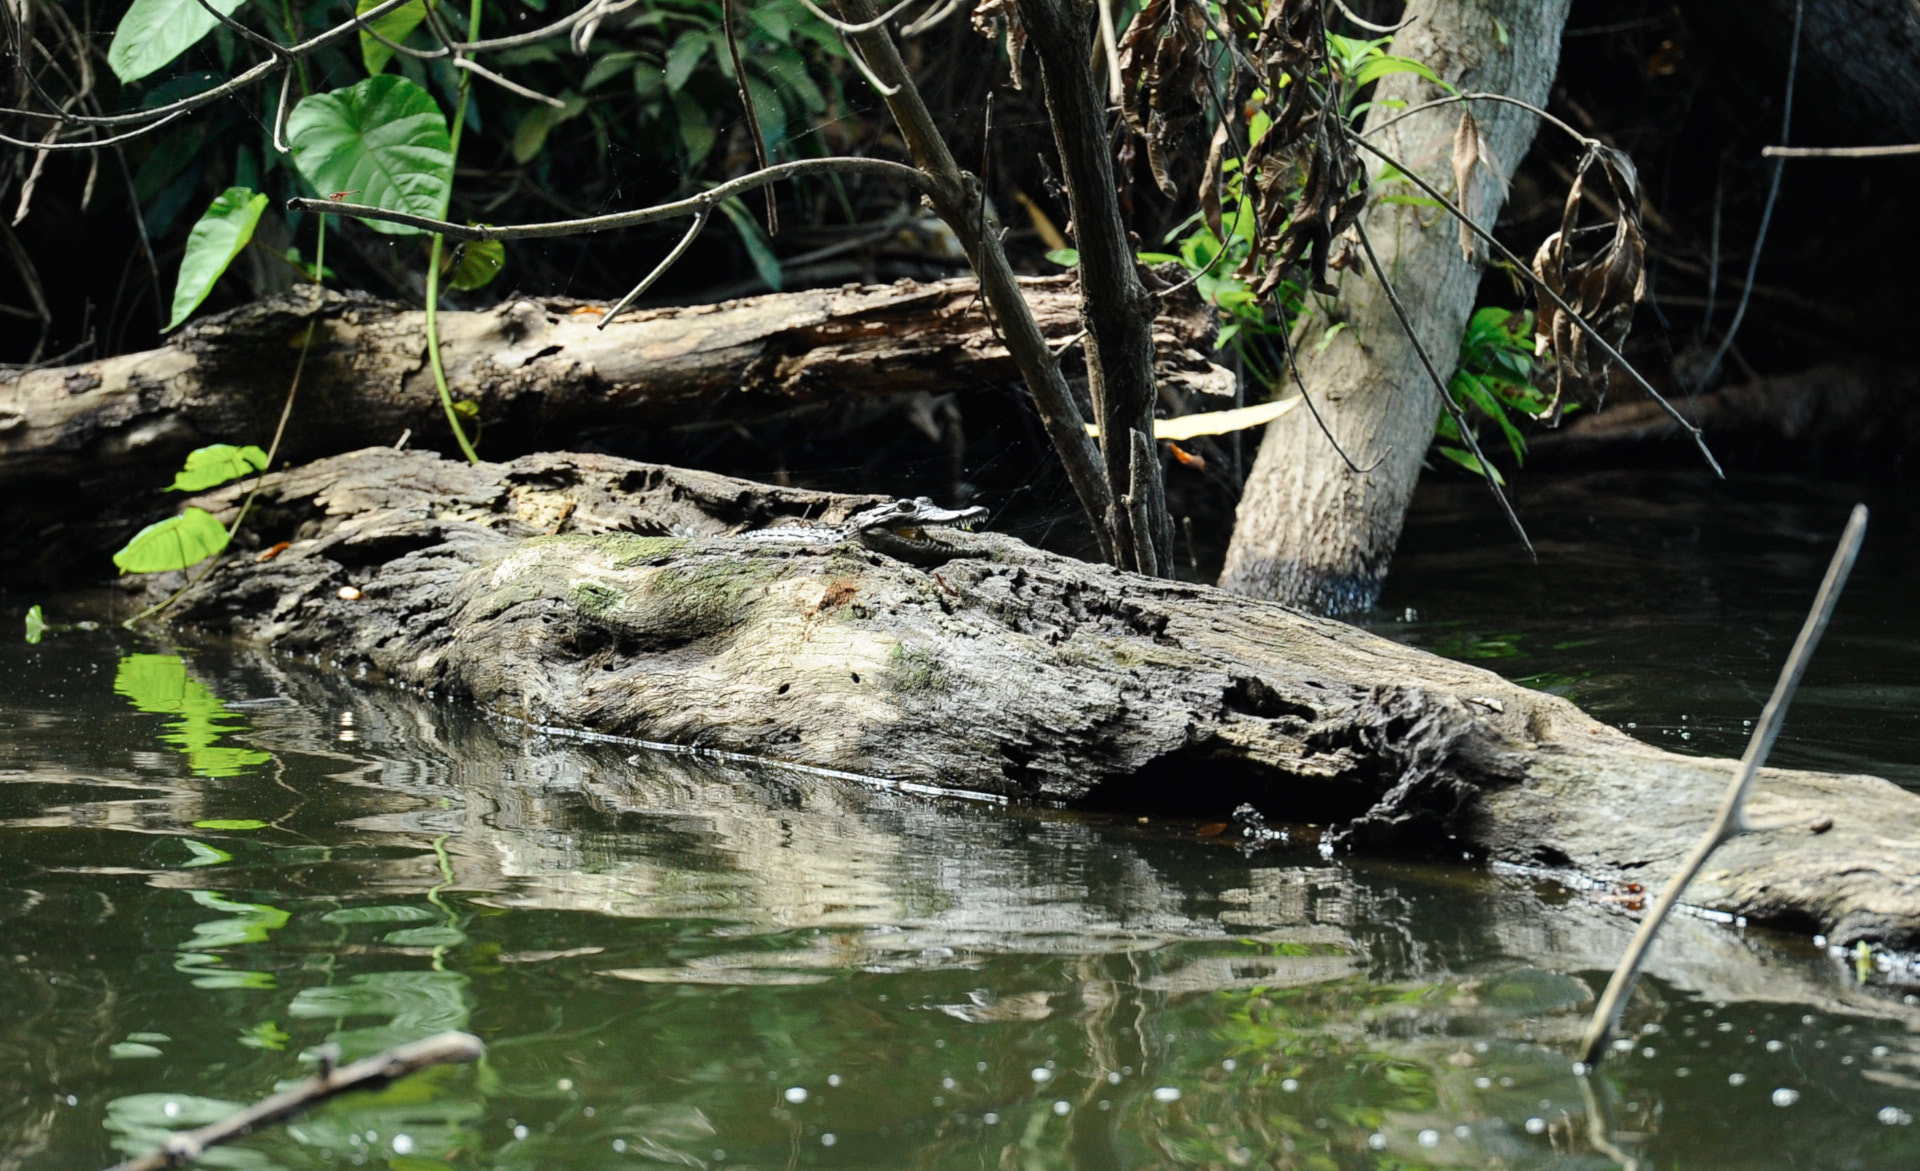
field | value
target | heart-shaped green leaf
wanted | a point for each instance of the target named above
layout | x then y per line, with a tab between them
222	231
216	464
174	543
154	32
384	139
480	262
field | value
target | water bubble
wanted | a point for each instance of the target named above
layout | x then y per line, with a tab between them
402	1144
828	1139
1104	1104
565	1084
1166	1093
1880	1051
938	1100
1775	1046
1536	1126
833	1079
1623	1045
1229	1065
1785	1096
1463	1131
1736	1079
171	1109
1062	1106
1290	1085
1683	1071
1724	1026
1894	1116
619	1145
795	1094
73	1100
1042	1075
946	1083
1483	1083
1377	1141
1113	1077
520	1132
1429	1138
1648	1051
990	1118
1808	1019
978	1067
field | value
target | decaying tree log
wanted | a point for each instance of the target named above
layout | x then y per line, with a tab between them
597	593
537	370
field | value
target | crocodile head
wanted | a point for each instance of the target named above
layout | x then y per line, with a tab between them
903	524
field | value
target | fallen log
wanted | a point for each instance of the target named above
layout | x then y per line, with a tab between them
598	594
532	368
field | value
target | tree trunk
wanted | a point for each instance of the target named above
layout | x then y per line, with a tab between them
566	590
1310	532
533	368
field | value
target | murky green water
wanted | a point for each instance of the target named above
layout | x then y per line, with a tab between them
213	863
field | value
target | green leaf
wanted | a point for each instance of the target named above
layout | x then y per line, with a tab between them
154	32
36	624
696	134
174	543
758	250
216	464
1376	68
606	67
480	262
530	137
222	232
684	56
384	138
204	855
394	26
1465	459
1065	257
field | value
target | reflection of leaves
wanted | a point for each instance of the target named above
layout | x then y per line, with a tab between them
395	913
141	1122
266	1035
418	1004
160	684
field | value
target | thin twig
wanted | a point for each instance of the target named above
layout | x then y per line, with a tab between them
479	70
866	71
932	19
753	119
1731	821
1110	43
846	26
368	30
92	144
1369	25
659	270
1766	213
1839	152
280	143
1526	270
369	1073
692	205
1440	387
1288	353
1505	99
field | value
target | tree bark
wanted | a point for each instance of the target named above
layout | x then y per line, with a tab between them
537	370
1117	310
566	590
1310	532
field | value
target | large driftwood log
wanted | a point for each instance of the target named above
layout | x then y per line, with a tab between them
563	590
536	370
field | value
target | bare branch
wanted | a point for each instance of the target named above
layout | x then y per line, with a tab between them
1536	111
1369	25
280	114
1839	152
693	205
932	19
514	87
864	26
866	71
659	270
1731	821
369	1073
1440	386
92	144
1526	270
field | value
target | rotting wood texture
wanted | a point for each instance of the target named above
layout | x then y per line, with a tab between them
532	368
597	593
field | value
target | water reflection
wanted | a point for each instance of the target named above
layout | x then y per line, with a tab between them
682	961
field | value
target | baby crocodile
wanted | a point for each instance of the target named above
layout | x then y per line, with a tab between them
907	529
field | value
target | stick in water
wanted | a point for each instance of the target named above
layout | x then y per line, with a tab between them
1732	819
369	1073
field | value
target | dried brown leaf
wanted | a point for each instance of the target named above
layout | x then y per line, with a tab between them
1601	279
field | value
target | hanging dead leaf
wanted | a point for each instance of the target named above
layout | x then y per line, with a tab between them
1163	81
1601	279
1472	156
989	17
